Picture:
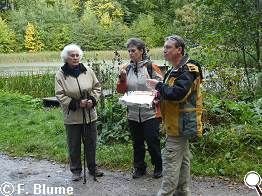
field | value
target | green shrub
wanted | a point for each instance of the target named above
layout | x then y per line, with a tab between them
112	121
219	111
89	33
146	29
231	151
7	38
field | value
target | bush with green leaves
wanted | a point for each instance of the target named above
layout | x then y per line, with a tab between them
89	33
224	74
115	35
225	111
7	38
228	151
146	29
57	25
112	121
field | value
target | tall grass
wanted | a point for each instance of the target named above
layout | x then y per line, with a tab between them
197	53
29	57
36	85
42	83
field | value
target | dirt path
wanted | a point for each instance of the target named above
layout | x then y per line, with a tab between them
27	173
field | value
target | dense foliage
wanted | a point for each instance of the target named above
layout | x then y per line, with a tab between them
230	26
7	38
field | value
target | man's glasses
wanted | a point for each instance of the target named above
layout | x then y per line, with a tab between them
179	42
168	47
131	50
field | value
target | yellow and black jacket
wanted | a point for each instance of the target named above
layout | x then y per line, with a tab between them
181	100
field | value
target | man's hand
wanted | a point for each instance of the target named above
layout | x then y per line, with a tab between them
151	83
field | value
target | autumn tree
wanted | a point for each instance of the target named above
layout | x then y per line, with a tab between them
105	10
32	40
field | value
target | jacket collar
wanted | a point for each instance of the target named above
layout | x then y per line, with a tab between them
139	64
181	63
69	72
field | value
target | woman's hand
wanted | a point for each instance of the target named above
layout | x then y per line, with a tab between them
83	103
151	83
89	104
86	103
122	74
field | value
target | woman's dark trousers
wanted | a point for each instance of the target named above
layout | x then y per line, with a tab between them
74	136
148	132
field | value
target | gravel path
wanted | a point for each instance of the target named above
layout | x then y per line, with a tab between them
32	175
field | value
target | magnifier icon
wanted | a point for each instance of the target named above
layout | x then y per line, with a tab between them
253	180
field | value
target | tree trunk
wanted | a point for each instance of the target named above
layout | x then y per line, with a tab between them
246	72
258	40
81	8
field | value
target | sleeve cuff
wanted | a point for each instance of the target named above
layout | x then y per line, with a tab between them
73	105
159	86
93	100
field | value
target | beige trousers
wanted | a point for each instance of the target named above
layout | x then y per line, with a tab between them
176	167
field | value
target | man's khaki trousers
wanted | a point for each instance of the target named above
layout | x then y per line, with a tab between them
176	167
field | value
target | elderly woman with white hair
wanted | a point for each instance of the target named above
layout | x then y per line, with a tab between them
77	89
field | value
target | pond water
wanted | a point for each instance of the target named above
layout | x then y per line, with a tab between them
42	67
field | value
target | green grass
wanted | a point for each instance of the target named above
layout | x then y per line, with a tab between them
28	129
53	56
229	151
218	165
115	156
39	85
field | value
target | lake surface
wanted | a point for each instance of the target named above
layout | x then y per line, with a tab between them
43	67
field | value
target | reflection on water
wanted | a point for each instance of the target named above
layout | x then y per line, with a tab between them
28	68
49	67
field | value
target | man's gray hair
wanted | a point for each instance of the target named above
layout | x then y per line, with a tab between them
68	48
179	42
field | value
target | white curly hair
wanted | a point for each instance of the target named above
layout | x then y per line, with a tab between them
68	48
